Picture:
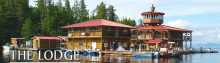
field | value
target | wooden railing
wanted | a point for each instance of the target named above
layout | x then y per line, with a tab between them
99	33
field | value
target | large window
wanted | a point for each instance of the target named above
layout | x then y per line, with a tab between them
96	29
79	29
81	44
108	29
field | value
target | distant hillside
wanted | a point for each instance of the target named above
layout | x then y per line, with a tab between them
207	45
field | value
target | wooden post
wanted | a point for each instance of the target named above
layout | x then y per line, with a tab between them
49	43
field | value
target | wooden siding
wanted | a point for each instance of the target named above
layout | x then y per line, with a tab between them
13	41
44	43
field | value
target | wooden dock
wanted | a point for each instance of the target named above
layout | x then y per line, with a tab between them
117	52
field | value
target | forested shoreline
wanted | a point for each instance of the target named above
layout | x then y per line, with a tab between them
18	19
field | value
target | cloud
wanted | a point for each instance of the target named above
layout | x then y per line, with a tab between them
201	33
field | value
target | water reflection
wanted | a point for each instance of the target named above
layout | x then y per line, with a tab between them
8	56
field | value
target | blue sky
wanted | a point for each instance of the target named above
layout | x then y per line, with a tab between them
201	16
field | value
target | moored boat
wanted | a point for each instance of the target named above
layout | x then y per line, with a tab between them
146	54
193	50
205	50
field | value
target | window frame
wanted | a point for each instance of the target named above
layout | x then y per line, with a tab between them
158	33
80	43
95	29
71	43
79	29
108	29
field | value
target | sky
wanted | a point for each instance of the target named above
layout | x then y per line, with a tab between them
200	16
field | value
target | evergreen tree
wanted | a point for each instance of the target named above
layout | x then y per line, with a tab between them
76	12
111	13
27	29
140	22
101	11
84	15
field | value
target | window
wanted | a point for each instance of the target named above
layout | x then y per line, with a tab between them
125	30
96	29
141	33
145	16
81	44
158	33
148	32
148	16
71	44
71	30
108	29
79	29
87	29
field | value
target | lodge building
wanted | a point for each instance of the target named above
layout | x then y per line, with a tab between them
97	33
102	34
154	32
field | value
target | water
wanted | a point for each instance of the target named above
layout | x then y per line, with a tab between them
186	58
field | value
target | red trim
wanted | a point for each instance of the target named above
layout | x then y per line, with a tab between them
154	41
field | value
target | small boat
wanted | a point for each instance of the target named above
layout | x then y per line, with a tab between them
193	50
145	54
91	52
213	51
205	50
177	53
8	46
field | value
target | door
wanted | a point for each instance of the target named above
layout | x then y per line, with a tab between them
36	43
116	32
93	45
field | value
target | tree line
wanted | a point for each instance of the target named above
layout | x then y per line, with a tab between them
18	19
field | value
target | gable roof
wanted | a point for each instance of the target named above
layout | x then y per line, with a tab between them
98	22
160	27
46	37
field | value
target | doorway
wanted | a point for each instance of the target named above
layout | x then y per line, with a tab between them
93	45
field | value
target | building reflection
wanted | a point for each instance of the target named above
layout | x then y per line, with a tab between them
96	59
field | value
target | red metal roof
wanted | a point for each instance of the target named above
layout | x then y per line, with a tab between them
46	37
154	41
152	12
160	27
98	22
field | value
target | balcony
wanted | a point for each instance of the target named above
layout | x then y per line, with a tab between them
97	33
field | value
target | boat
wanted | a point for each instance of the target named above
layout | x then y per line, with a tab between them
177	53
91	52
213	51
205	50
145	54
8	46
193	50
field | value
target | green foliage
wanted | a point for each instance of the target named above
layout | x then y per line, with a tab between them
101	11
27	29
140	22
128	21
18	19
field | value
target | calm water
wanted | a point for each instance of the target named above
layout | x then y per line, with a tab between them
186	58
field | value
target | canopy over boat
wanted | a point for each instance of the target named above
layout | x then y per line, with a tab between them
154	41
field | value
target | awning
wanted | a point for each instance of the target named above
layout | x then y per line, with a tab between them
171	42
154	41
